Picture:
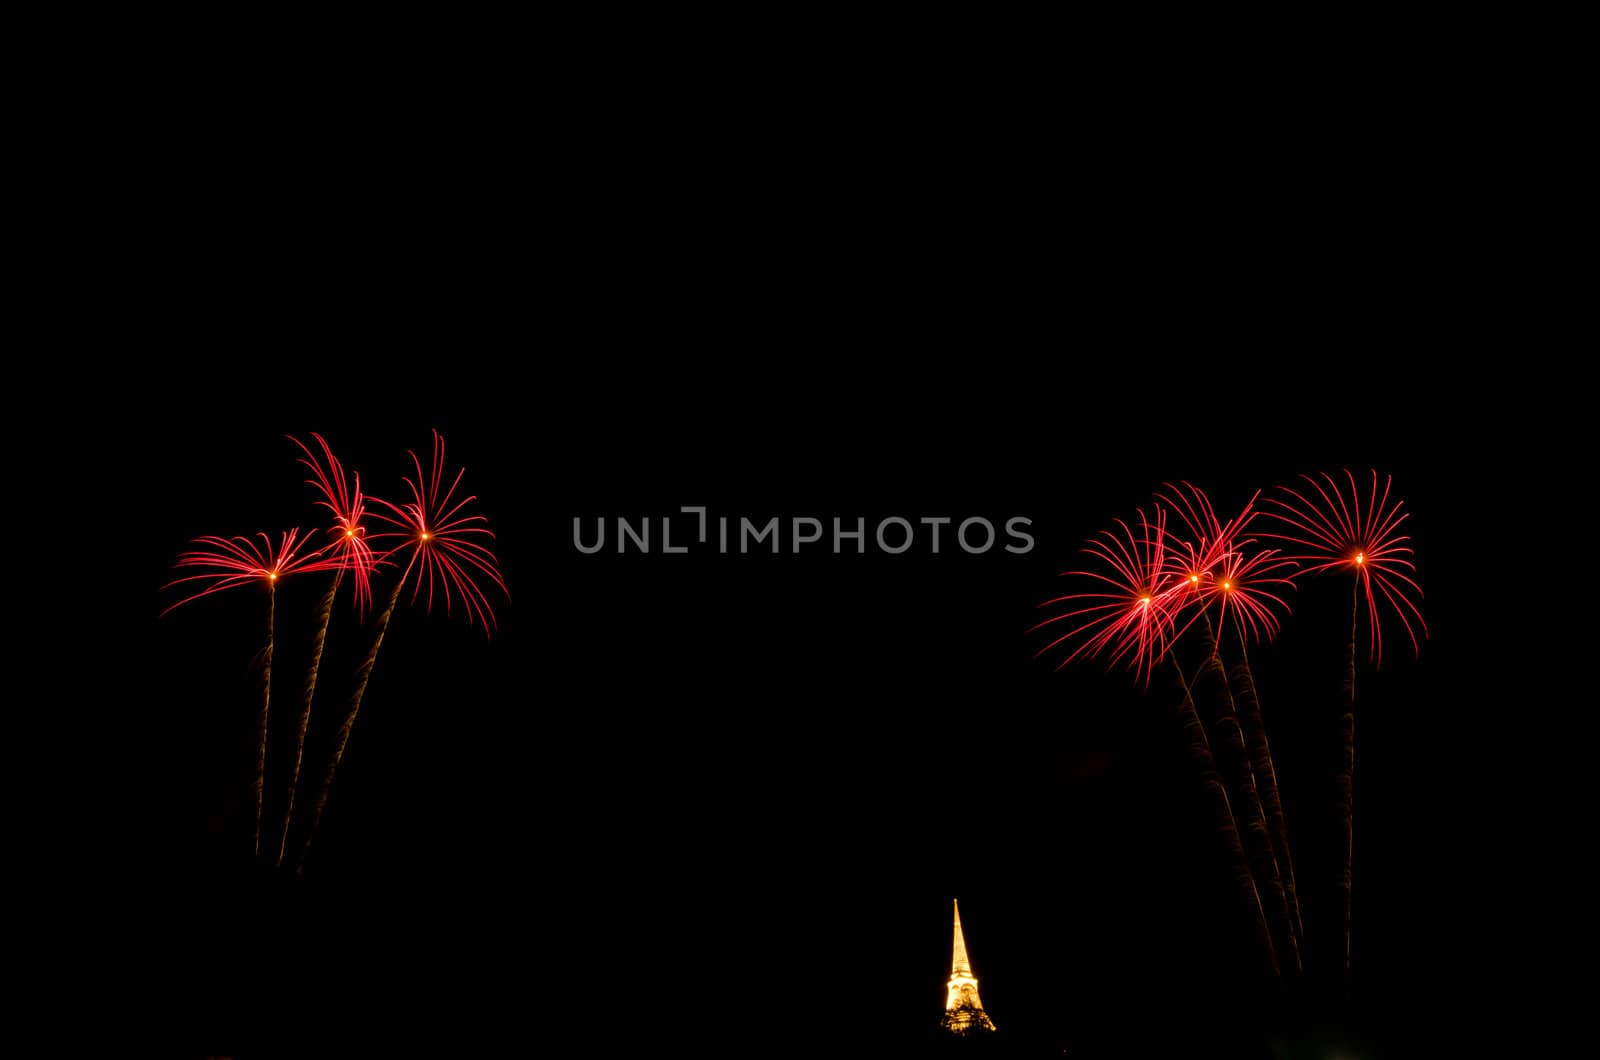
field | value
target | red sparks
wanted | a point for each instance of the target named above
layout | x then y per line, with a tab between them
1248	586
1131	618
1213	539
1339	535
446	543
228	562
1215	566
348	535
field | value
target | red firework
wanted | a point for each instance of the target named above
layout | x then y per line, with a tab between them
1339	534
1213	538
348	537
1215	567
228	562
1132	616
444	543
1248	586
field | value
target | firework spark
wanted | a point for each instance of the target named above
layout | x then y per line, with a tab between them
1215	564
1131	618
1338	533
446	546
347	535
1212	539
1247	586
229	562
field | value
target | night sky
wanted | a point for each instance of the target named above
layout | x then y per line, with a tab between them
731	796
714	804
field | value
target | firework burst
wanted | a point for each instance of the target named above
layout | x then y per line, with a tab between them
1131	616
1247	586
1210	538
1152	585
229	562
447	546
1339	533
347	534
1215	564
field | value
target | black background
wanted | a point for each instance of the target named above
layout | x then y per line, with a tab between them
733	795
728	798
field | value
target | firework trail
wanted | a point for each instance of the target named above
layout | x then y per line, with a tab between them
1242	685
349	550
231	562
1339	534
1198	750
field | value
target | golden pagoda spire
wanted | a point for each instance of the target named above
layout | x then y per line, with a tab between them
963	1012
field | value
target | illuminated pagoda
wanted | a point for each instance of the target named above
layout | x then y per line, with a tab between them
963	1012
